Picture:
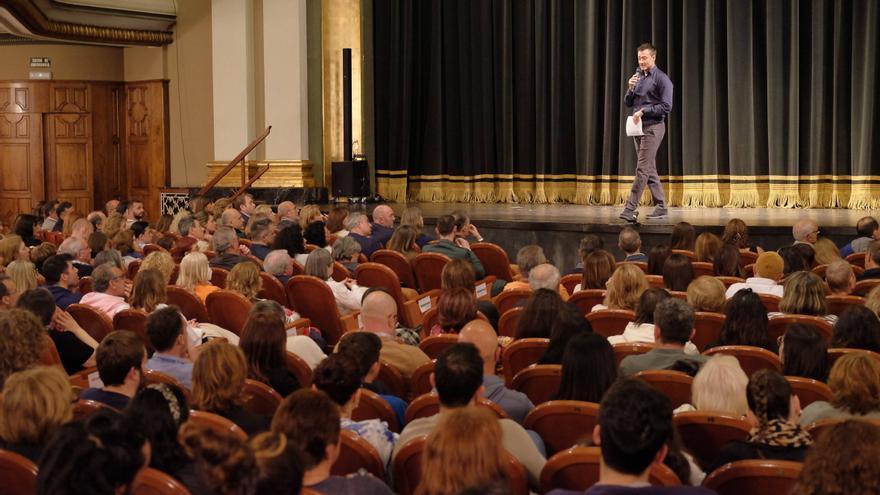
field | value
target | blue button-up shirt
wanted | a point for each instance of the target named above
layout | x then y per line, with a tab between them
179	368
653	94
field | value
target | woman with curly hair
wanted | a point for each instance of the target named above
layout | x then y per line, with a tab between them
23	338
773	413
843	462
855	382
745	323
244	278
33	405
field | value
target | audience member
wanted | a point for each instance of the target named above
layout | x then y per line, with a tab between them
347	293
464	450
855	382
232	219
191	236
630	243
218	376
24	228
12	248
720	386
99	456
707	247
678	272
23	339
80	253
109	290
166	329
291	240
75	346
310	214
804	295
540	312
227	248
195	275
674	327
768	269
745	323
588	368
50	216
625	287
826	251
635	430
121	358
336	221
148	290
288	214
383	223
599	265
657	259
872	262
527	258
98	242
460	274
223	460
842	461
262	235
458	378
451	243
807	253
339	377
279	464
245	206
547	276
379	316
315	234
412	217
706	294
840	278
9	293
405	242
589	243
736	232
365	348
481	334
805	231
311	422
307	347
868	230
264	341
857	328
455	308
360	230
683	237
567	323
642	328
244	278
727	262
41	253
804	352
280	265
773	413
34	403
347	252
793	260
23	274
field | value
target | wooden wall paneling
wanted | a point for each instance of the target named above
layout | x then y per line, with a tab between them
21	163
69	171
108	104
146	142
24	97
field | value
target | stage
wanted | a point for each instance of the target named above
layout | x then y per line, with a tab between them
559	228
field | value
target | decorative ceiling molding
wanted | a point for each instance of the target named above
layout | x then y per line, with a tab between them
39	25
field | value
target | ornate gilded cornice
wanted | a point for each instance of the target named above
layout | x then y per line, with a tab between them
36	21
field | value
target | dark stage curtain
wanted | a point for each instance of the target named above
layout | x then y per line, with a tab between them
522	100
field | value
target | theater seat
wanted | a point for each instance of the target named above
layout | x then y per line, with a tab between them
218	276
133	320
707	328
754	476
571	281
260	398
540	382
494	260
355	453
435	345
578	469
314	300
427	268
837	304
96	323
509	322
428	405
420	382
299	368
809	390
398	263
371	406
217	423
521	354
272	289
190	305
83	408
704	433
674	385
151	481
510	299
751	359
608	322
378	275
228	309
586	299
625	349
836	353
393	379
777	326
563	423
18	474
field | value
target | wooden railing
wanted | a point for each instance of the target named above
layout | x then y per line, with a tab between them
235	161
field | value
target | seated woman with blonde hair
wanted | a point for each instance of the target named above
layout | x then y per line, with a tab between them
244	278
195	275
159	260
804	294
719	386
855	382
707	294
23	273
625	287
33	405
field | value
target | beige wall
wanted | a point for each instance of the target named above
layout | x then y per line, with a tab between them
83	62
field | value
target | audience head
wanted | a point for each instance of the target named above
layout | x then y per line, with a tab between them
339	376
264	340
840	277
807	253
770	398
674	321
657	259
872	255
148	290
23	273
244	278
77	248
194	270
364	348
590	243
159	410
481	334
567	323
161	261
111	257
309	214
629	240
166	330
805	230
464	450
9	292
677	272
346	250
412	217
278	262
726	263
458	274
316	233
769	265
34	403
529	257
231	218
12	248
109	280
23	337
706	294
225	239
804	295
310	421
446	227
244	204
648	303
359	224
103	453
842	461
261	229
857	328
455	308
635	424
683	235
804	352
291	240
544	276
599	265
625	287
287	210
383	215
121	358
541	311
379	312
458	375
736	232
24	225
720	385
404	239
336	219
826	251
218	376
745	321
40	303
226	464
588	368
707	247
855	382
319	264
42	252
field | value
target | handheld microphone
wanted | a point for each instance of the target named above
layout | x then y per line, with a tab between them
639	71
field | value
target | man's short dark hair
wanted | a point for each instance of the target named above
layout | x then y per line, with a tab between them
163	327
338	376
240	200
39	302
138	228
185	224
647	46
635	421
458	374
123	206
873	252
119	352
590	243
54	266
445	224
675	319
866	226
62	207
363	347
48	208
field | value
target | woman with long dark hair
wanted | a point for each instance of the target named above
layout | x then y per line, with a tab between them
745	323
588	368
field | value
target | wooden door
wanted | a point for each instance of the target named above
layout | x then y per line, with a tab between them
21	149
146	142
68	135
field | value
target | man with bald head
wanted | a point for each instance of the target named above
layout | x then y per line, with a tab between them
383	223
481	334
379	316
288	214
805	232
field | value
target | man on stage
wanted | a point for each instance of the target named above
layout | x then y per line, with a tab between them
650	95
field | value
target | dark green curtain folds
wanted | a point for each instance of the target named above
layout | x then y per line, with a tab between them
522	100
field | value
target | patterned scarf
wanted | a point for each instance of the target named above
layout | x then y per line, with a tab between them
780	433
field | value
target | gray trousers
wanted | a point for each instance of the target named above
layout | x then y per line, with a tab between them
646	166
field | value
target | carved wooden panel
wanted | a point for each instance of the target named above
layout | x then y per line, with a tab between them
21	163
69	172
146	142
69	97
108	102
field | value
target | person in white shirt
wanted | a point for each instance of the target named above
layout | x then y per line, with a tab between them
642	329
347	293
768	269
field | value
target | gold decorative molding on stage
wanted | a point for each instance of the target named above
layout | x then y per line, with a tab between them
281	173
775	191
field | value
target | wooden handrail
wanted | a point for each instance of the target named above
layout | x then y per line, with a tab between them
249	182
235	161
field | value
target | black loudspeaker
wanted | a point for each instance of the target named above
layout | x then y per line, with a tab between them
346	104
351	179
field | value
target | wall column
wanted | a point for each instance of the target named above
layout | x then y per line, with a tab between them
233	76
